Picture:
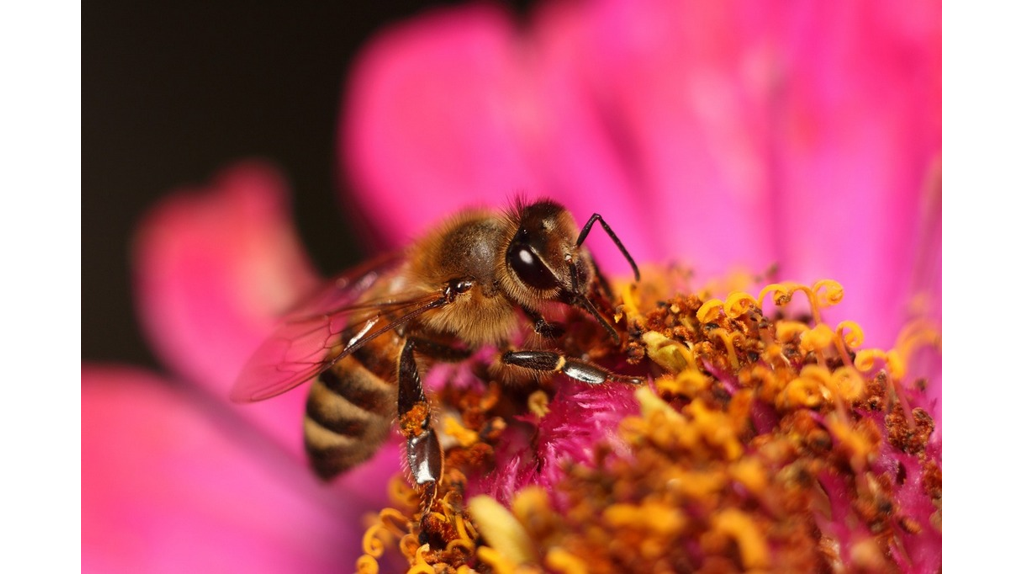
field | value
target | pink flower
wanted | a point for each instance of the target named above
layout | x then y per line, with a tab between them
742	134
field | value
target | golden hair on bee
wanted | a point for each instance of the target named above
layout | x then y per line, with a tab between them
474	280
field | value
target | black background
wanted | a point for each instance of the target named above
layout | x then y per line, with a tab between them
173	92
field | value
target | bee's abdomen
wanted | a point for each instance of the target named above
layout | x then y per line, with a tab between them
348	416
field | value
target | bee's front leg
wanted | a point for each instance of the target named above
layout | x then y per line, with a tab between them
553	362
542	327
423	450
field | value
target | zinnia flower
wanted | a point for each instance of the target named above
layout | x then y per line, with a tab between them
792	140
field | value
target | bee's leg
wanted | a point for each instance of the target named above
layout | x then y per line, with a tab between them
542	327
440	351
554	362
426	461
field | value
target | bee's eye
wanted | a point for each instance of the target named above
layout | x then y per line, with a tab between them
529	268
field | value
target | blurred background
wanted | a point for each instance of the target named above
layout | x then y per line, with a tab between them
173	92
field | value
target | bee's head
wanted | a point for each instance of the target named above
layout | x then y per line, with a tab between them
542	258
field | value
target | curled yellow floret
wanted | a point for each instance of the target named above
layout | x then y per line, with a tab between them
782	294
710	311
788	331
918	333
687	383
740	527
367	565
868	359
728	339
372	543
739	303
848	383
498	563
800	392
817	339
833	292
851	334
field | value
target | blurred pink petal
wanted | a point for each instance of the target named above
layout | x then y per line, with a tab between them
214	268
169	484
861	131
724	135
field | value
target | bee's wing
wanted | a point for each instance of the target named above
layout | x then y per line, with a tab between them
306	342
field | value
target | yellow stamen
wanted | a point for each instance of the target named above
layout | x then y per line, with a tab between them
667	353
530	502
656	518
460	527
854	338
464	436
629	301
468	545
727	339
787	331
498	563
782	294
560	560
739	303
847	383
917	333
421	566
367	565
537	402
817	339
650	403
401	494
686	383
751	474
833	292
712	310
749	538
394	521
372	544
501	530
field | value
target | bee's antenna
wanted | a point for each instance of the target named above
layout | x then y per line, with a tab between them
586	230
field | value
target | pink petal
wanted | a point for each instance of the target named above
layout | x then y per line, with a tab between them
674	89
450	110
214	268
427	123
861	114
170	485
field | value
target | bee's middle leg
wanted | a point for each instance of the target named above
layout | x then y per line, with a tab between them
423	450
553	362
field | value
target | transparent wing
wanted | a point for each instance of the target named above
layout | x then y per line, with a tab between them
307	341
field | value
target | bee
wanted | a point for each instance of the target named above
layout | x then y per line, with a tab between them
476	280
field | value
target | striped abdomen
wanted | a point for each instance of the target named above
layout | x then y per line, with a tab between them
350	410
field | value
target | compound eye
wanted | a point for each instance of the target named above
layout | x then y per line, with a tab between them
529	268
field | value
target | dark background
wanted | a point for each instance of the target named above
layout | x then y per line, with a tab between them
173	92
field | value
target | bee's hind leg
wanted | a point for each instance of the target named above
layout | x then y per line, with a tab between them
553	362
423	450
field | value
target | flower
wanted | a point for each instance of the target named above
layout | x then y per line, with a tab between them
804	137
173	477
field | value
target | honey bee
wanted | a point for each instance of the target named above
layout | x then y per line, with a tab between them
476	280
